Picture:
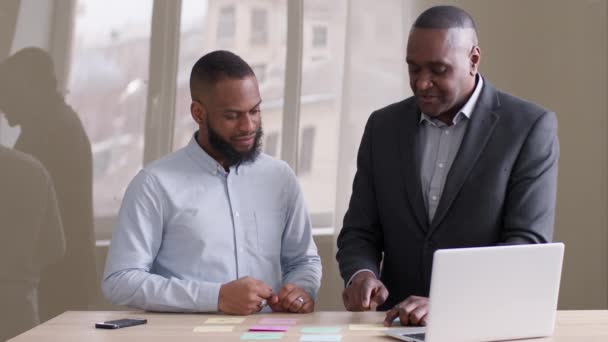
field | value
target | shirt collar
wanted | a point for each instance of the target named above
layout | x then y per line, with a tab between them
201	157
467	109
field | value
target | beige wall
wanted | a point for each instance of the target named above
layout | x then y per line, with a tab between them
555	54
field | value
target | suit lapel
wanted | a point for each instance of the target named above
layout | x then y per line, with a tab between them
481	125
408	131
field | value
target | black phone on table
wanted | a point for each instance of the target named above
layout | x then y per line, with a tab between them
120	323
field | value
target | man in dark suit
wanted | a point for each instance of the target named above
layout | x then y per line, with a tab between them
459	164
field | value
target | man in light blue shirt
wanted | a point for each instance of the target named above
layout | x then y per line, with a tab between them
217	225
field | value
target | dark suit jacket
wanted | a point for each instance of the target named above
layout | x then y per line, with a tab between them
500	189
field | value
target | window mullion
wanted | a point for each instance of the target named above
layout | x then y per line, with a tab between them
160	106
293	82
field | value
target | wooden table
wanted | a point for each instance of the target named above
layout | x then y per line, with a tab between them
79	326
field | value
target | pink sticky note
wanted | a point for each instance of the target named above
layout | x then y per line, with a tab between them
268	328
278	321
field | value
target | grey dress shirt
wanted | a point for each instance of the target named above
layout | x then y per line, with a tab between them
440	143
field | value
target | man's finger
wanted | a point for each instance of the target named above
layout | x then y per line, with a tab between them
380	295
390	316
416	315
366	292
307	307
345	299
292	301
404	317
285	291
411	303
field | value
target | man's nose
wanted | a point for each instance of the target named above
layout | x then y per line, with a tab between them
424	83
247	123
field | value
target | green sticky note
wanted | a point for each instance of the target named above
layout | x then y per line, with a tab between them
262	336
320	330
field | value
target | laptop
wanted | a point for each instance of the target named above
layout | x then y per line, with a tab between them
491	293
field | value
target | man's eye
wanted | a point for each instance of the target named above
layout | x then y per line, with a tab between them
439	70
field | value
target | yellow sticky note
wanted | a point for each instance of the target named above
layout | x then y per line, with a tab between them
225	320
214	328
367	327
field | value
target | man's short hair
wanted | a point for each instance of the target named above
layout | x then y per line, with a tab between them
215	66
445	17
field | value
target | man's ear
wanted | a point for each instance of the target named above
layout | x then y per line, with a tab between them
198	112
474	59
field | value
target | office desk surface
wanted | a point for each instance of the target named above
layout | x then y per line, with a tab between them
79	326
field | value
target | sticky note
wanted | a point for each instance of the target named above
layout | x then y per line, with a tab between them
320	330
225	320
278	321
321	338
269	328
368	327
262	336
214	328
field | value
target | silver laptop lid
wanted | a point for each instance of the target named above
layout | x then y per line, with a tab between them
494	293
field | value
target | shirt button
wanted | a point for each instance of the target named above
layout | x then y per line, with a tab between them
440	165
241	249
447	132
236	213
434	198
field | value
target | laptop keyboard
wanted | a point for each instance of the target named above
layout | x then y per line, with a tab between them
416	336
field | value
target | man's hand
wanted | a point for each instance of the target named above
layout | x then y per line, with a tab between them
243	296
365	292
412	311
292	298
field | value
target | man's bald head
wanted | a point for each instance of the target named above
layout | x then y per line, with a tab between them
443	60
445	18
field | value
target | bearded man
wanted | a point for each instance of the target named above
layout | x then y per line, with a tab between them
216	226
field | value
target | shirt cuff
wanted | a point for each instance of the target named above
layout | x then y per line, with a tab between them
208	297
359	271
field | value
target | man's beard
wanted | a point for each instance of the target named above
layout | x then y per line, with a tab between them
232	156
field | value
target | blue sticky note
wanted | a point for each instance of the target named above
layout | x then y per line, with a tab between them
320	330
261	336
320	338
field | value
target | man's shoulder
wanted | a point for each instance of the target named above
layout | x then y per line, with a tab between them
174	162
518	106
396	109
268	166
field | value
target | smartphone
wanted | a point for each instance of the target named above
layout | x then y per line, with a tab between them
120	323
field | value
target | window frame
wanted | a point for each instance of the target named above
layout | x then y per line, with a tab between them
161	96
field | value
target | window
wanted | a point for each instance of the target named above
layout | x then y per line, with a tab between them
226	27
259	26
319	36
260	72
271	144
267	61
107	88
320	106
305	157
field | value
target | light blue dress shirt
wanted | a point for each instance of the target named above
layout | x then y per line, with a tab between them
186	226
